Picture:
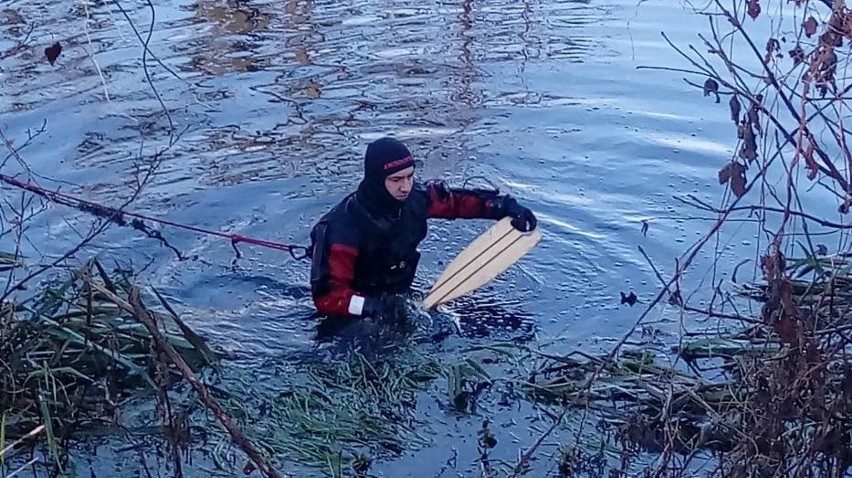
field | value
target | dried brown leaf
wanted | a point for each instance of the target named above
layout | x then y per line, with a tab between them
734	174
772	46
711	86
797	54
736	107
787	329
785	290
831	39
810	163
754	116
847	204
738	179
52	52
753	8
846	25
725	173
748	150
768	265
810	26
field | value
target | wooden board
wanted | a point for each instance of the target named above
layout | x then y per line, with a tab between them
481	261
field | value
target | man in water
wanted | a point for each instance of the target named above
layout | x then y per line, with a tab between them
364	250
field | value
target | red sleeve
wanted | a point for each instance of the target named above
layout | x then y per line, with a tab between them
457	203
341	268
333	268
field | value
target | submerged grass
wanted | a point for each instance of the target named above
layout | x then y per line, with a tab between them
337	417
68	356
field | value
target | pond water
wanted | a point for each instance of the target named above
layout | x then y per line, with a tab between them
274	103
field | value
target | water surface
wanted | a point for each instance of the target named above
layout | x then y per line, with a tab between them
270	106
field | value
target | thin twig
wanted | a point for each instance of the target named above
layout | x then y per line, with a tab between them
134	306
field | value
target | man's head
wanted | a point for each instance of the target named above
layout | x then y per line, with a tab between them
399	184
388	165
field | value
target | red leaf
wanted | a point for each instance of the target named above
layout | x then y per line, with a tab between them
810	26
753	8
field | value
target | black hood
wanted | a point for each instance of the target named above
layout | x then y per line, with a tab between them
384	157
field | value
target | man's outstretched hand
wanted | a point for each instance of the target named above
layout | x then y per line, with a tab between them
523	218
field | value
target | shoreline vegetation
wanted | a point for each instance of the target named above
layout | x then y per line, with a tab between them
764	392
749	396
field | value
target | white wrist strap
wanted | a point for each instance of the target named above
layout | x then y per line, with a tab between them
356	305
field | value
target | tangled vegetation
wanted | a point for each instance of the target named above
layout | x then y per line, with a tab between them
770	396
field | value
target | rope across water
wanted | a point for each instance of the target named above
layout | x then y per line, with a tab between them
138	222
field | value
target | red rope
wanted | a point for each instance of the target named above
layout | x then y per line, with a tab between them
298	252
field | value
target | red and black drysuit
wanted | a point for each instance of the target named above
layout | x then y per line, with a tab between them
356	254
366	246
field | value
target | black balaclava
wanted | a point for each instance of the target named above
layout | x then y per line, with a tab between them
384	157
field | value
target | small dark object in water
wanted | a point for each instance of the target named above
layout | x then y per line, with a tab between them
52	52
628	299
361	465
441	335
711	86
486	436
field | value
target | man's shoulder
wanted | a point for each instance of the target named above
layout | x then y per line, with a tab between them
340	223
419	194
343	212
429	187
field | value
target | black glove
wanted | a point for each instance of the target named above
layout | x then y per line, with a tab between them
523	218
386	306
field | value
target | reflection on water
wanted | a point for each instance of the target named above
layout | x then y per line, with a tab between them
336	74
231	25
